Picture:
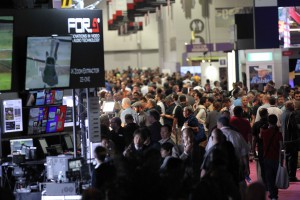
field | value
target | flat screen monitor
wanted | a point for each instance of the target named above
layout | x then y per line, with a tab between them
288	26
68	101
36	98
75	164
54	97
6	49
12	115
48	62
43	144
108	106
20	145
69	142
192	69
297	66
56	119
37	120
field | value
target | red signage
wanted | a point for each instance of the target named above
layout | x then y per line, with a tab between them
287	53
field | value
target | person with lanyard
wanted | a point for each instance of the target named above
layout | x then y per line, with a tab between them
272	145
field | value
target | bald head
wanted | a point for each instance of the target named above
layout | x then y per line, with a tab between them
126	103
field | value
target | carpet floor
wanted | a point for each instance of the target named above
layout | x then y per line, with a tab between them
292	193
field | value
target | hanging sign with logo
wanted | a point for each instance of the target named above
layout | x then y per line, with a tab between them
85	27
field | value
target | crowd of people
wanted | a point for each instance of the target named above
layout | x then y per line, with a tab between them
171	138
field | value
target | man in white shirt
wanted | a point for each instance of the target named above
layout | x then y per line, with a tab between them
273	109
126	105
266	104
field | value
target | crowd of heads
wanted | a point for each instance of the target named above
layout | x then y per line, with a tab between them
144	91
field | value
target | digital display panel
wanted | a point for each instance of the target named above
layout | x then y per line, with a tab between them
12	115
20	145
192	69
288	26
75	164
36	98
54	97
68	101
48	62
6	49
108	106
56	119
37	120
44	97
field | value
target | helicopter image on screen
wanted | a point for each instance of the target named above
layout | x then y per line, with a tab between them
48	62
49	74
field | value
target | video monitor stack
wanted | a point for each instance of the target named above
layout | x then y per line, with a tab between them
45	97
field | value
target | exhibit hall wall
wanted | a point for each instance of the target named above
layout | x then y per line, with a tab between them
162	42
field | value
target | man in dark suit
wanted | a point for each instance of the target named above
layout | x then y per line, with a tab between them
117	134
155	126
104	172
129	128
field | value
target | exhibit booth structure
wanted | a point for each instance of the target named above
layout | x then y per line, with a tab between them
257	67
52	62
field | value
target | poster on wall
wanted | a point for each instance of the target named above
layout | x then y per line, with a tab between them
85	29
12	115
259	75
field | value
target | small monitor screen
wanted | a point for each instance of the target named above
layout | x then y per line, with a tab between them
69	142
54	97
36	98
48	62
12	115
75	164
68	101
37	120
297	67
6	51
20	145
44	145
56	119
108	106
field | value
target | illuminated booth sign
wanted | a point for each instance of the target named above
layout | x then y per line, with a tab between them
85	28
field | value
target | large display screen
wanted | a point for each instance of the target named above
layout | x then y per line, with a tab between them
192	69
289	25
12	115
56	119
6	46
37	120
48	62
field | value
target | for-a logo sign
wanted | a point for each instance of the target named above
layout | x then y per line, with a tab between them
83	25
84	30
